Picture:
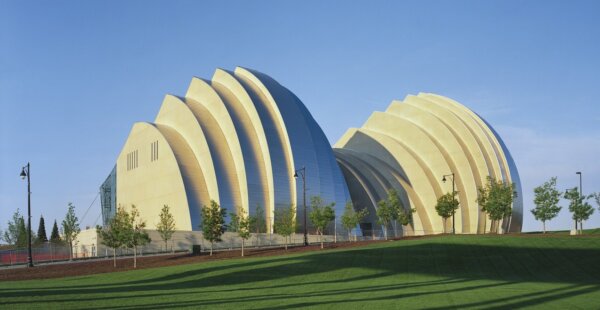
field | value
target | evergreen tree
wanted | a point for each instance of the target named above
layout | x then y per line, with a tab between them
70	227
546	202
166	225
350	219
213	223
41	233
55	235
321	215
285	222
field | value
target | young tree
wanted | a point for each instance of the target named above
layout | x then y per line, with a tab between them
496	200
11	235
243	227
234	220
597	198
396	207
166	225
139	236
321	215
55	235
285	222
21	233
385	214
41	233
257	221
579	207
546	202
213	223
117	232
446	206
350	219
70	227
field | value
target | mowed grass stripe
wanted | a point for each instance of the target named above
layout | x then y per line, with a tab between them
432	273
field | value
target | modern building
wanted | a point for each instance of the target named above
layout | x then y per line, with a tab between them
239	138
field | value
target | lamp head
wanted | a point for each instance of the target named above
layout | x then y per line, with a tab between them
444	179
23	174
578	172
295	174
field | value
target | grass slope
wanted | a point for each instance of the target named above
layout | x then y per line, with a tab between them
431	273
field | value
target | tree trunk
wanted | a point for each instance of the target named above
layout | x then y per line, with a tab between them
395	229
286	242
211	246
445	223
321	239
134	256
385	232
544	225
242	247
115	257
484	224
581	227
349	236
70	250
166	246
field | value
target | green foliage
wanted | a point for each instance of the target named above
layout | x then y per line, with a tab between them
597	198
234	220
546	202
213	223
55	235
139	236
257	221
11	234
350	219
70	227
166	225
581	210
41	233
385	214
321	215
243	227
285	222
117	233
446	206
21	233
496	200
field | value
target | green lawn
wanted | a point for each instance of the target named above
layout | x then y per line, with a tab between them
432	273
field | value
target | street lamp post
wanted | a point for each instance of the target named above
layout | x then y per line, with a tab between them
453	198
26	172
303	175
580	194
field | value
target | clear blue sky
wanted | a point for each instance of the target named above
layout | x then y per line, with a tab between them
75	76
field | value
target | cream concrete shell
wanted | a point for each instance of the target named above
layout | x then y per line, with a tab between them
452	152
229	88
204	99
166	187
176	114
251	81
428	136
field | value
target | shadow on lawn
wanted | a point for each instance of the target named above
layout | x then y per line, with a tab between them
458	264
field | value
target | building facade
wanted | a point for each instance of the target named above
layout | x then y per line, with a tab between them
239	138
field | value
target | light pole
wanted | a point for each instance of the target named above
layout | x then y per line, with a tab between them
580	194
453	198
303	175
25	172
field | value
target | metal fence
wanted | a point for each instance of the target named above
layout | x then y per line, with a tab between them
47	252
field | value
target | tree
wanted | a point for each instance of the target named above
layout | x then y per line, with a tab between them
597	198
396	208
496	199
579	207
546	202
117	232
21	233
70	228
166	225
139	236
11	235
285	222
243	227
234	220
55	236
446	206
257	222
350	219
385	214
321	215
41	233
213	223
